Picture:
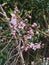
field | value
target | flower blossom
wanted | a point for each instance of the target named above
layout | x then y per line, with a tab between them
38	46
31	32
22	47
26	37
13	19
29	16
28	46
16	10
47	58
31	45
34	47
21	25
34	25
37	32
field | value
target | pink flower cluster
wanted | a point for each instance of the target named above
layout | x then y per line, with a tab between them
15	24
33	46
31	32
37	46
34	25
26	37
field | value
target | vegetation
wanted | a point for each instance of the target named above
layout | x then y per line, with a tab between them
24	32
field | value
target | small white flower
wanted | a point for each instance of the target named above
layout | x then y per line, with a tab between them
13	19
31	45
37	32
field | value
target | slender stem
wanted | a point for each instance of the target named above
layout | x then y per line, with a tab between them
20	52
45	20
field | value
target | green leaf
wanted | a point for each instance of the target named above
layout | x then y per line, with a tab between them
11	11
1	61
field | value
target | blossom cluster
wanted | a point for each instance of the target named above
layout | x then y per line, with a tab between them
31	46
25	30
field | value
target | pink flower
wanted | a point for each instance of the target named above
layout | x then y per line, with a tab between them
47	58
13	19
42	45
31	45
22	47
34	47
13	15
26	48
16	10
37	32
29	37
34	25
26	37
31	32
38	46
29	16
21	25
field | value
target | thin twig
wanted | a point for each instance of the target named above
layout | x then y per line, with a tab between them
43	33
3	11
6	45
15	61
11	58
13	51
20	52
